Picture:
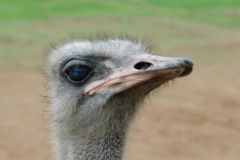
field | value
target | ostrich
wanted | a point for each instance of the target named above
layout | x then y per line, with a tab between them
96	89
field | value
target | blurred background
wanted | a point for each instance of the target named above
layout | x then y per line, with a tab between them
197	117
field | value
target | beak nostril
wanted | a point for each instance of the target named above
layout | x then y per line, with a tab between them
142	65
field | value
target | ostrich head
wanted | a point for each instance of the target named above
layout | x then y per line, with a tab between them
96	88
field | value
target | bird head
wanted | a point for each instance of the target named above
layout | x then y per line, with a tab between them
116	73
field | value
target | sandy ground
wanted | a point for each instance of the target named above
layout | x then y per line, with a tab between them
195	118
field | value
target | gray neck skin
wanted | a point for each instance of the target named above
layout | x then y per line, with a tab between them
102	139
108	147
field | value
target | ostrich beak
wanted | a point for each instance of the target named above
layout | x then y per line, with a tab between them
142	69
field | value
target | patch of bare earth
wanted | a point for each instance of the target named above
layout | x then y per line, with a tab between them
23	130
196	118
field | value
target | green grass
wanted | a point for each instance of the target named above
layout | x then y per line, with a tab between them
214	11
28	26
194	4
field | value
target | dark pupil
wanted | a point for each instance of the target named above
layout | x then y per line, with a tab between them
78	73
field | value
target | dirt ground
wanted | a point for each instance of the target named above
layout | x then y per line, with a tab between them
198	117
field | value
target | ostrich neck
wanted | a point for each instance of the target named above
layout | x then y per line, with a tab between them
109	147
103	141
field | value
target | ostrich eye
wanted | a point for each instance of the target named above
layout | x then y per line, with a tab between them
77	70
77	73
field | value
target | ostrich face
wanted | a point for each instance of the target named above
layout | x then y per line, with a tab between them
85	74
